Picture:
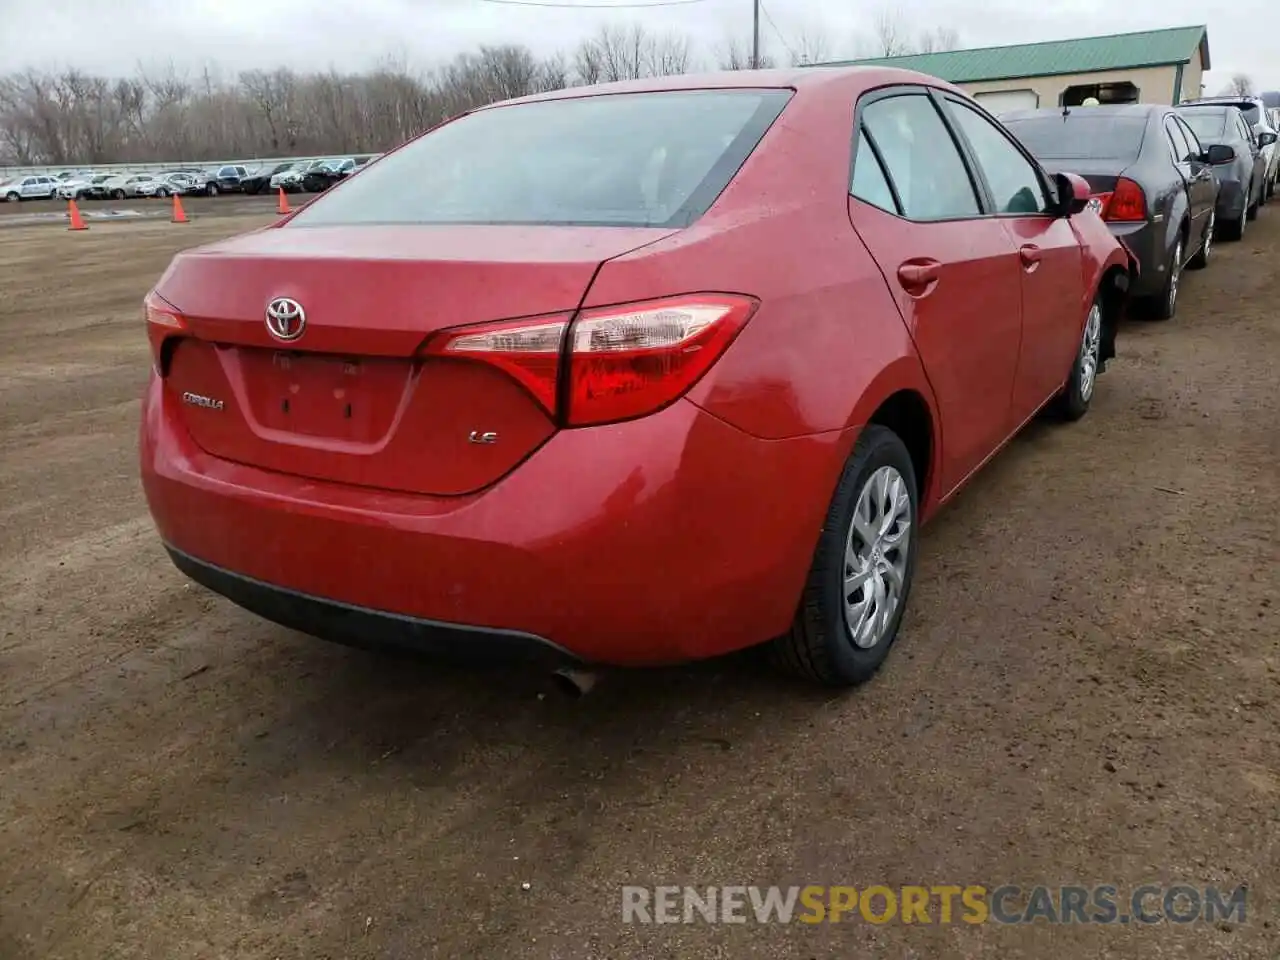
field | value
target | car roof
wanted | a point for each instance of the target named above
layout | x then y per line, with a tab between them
1110	110
1238	102
793	78
1204	105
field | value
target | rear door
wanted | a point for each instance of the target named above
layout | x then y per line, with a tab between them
1179	200
953	271
1201	188
1054	303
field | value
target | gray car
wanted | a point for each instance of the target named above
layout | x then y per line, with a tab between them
1150	179
1236	155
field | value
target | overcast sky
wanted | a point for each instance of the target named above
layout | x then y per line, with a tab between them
1244	36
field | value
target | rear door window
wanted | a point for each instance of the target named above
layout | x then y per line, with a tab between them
655	159
923	162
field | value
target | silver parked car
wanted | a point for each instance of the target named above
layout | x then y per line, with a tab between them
126	185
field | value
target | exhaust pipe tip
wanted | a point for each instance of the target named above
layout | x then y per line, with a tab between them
575	683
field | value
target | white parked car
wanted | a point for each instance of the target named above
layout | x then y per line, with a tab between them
76	186
29	188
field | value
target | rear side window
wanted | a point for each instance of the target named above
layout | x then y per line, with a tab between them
869	183
634	159
1177	142
1080	136
920	158
1192	140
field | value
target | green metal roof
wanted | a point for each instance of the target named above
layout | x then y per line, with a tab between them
1120	51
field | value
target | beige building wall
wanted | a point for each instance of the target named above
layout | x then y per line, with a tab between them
1155	84
1192	77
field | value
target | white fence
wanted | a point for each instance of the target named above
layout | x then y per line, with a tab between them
7	173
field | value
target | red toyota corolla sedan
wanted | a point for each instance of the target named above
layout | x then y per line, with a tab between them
624	375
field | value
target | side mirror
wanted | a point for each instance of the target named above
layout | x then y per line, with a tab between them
1219	154
1073	193
1266	138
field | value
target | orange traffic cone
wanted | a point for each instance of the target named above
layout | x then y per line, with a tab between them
74	213
178	215
283	206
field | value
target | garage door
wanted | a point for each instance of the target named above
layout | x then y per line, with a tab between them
999	101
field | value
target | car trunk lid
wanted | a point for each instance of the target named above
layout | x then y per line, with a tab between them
350	400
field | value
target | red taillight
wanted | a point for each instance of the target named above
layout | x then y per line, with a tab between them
528	351
618	362
1125	203
163	322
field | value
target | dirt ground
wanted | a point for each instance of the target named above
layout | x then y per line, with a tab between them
1087	692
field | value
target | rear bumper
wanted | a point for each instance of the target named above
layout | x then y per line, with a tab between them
1231	200
374	629
1146	242
669	538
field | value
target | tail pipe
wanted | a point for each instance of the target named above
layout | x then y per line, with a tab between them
575	683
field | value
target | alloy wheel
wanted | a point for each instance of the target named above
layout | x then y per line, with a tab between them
1208	233
875	556
1090	346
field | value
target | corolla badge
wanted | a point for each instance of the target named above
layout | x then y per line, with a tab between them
197	400
286	320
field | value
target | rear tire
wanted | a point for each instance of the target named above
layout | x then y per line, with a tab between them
1165	305
1072	401
860	579
1232	229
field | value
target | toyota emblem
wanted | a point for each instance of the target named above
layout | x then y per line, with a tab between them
286	319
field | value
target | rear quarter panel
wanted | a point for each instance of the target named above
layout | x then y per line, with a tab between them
827	344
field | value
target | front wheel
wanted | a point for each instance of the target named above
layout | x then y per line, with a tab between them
12	197
860	579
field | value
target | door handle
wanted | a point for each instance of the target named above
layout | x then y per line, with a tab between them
918	277
1029	253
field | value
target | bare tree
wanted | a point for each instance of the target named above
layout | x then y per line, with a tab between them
735	54
937	40
809	46
891	35
1241	85
160	113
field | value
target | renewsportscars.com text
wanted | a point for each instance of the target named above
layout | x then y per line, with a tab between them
936	904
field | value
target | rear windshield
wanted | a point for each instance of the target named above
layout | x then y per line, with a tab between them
632	159
1208	123
1080	137
1251	113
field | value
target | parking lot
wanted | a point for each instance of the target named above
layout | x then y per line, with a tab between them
1087	691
